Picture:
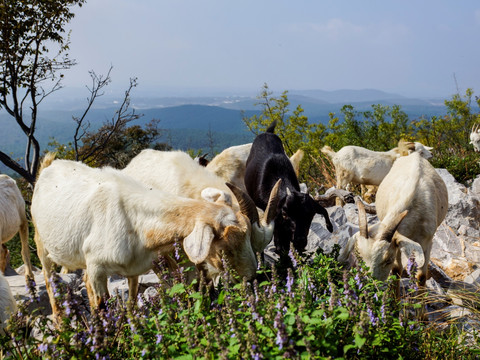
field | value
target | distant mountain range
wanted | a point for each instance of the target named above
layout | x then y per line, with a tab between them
190	121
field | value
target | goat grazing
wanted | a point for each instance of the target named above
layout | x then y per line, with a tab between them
13	220
357	165
106	222
266	164
475	137
177	173
7	303
411	203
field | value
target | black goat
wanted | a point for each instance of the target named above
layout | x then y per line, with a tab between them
266	164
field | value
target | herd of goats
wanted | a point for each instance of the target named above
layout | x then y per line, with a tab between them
109	221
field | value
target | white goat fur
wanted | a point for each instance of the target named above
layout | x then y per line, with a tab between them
230	164
12	221
177	173
355	164
106	222
413	199
475	137
7	303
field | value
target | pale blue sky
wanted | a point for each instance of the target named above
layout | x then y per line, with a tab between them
413	48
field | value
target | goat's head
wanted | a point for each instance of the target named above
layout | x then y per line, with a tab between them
475	137
424	151
294	219
380	244
232	235
227	237
262	226
407	147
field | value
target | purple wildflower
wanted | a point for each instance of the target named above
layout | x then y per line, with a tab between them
42	348
159	339
282	336
359	281
383	312
292	257
411	267
176	246
373	318
289	281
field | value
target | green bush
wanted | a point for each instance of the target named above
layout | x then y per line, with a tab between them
378	129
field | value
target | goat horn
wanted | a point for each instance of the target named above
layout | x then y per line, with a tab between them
271	210
362	219
389	231
247	206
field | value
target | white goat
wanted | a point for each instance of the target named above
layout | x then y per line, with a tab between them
357	165
13	220
475	137
177	173
230	164
411	203
106	222
7	303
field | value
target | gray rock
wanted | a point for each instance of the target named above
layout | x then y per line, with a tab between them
473	278
463	205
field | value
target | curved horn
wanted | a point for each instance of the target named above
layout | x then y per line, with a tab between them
389	231
362	219
247	206
271	210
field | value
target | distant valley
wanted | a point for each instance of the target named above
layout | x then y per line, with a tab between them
193	122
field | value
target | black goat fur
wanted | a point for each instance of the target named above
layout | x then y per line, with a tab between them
266	164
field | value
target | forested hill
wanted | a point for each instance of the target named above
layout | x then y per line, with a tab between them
209	124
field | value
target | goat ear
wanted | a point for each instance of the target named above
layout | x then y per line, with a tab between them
295	159
216	195
409	248
197	244
428	148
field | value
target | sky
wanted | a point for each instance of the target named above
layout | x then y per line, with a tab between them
421	48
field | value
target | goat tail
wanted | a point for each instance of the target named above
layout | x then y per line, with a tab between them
271	128
327	150
46	161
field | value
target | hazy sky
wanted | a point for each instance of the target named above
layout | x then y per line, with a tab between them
413	48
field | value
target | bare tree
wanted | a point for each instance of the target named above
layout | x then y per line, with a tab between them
27	74
95	142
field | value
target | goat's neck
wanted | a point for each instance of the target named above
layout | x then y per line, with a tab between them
164	220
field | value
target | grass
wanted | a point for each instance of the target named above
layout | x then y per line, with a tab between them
315	310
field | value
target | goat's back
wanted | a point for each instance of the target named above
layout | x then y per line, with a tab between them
266	163
414	185
73	206
230	164
173	171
